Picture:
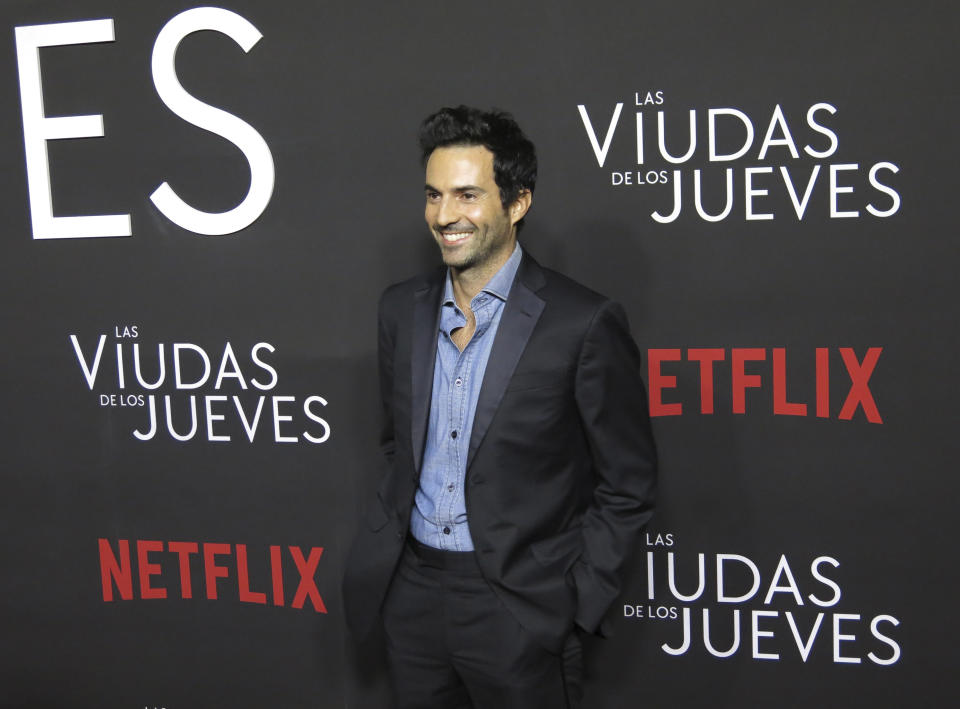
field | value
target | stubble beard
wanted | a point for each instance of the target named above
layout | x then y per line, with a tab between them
480	253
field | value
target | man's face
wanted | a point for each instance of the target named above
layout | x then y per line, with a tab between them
464	211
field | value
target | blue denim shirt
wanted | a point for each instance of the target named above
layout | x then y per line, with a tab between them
439	516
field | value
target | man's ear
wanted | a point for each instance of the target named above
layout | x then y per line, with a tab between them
520	206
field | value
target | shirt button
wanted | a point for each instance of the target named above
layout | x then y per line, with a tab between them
459	382
450	487
453	434
446	530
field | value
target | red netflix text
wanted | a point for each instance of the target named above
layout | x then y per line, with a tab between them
224	568
765	370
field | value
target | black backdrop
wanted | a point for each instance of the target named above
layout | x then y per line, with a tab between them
832	524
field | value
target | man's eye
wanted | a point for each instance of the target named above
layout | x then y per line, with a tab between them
433	196
469	196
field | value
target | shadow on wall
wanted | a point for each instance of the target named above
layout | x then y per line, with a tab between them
604	255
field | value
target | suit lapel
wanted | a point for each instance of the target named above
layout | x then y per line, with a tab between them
520	315
426	313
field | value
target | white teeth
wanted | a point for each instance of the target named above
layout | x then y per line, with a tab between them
452	238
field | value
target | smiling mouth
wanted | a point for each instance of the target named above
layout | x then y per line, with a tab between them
454	237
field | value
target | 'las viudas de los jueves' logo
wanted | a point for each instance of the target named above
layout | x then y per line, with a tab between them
723	163
185	391
724	605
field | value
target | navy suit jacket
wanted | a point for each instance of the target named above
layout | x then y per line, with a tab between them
561	470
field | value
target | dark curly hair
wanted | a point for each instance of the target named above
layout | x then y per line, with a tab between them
514	156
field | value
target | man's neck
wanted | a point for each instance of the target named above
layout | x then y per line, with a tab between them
468	282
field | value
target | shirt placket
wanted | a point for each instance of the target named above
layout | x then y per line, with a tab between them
456	418
459	388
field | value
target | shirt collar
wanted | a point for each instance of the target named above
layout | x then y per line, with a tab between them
499	285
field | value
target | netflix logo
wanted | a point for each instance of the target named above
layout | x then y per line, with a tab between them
225	571
757	379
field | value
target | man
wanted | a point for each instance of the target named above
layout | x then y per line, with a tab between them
520	461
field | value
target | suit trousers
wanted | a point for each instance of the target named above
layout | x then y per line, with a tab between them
451	643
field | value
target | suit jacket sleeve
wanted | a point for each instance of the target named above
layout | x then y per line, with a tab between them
613	407
386	326
374	551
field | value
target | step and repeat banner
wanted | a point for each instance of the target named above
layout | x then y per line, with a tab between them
201	206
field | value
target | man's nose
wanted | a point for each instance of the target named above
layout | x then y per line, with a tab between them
447	212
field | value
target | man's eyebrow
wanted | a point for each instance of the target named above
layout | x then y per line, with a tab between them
460	190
